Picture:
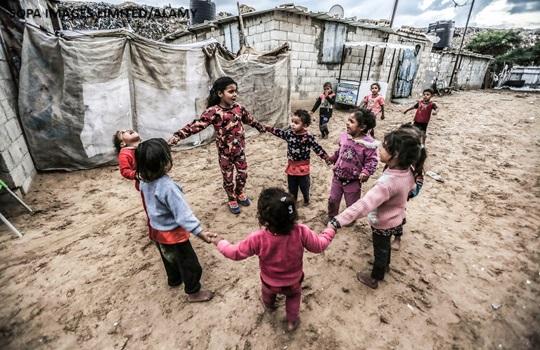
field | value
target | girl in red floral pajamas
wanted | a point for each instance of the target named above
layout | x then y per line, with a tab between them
227	117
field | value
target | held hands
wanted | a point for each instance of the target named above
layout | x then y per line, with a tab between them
363	177
173	140
213	237
207	236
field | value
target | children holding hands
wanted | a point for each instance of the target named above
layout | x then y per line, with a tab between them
299	144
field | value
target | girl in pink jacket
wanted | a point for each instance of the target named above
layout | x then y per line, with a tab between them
280	247
384	204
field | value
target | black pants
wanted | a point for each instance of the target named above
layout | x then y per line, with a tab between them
421	126
183	265
382	249
324	119
299	181
173	275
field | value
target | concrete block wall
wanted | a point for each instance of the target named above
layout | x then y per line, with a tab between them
469	76
16	165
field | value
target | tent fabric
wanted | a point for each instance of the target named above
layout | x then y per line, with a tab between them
76	90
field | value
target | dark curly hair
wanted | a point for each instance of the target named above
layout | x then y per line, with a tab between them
153	159
276	209
219	86
365	117
304	116
406	143
117	141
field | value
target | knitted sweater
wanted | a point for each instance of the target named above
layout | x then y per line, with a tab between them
280	256
355	157
384	204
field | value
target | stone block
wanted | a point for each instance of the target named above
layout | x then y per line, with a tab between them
285	26
17	175
28	166
16	153
307	39
27	183
293	37
13	129
270	26
265	36
308	47
278	35
295	63
299	29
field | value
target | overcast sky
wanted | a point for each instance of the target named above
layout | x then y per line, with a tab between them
486	13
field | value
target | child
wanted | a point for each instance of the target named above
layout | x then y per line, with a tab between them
280	246
227	117
125	142
354	162
374	102
384	204
423	107
171	219
299	143
325	101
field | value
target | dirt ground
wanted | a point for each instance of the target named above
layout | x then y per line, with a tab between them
85	275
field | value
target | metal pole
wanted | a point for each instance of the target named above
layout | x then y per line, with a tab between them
361	75
393	13
391	66
370	61
341	63
11	227
461	45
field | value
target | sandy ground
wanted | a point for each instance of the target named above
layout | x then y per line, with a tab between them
86	276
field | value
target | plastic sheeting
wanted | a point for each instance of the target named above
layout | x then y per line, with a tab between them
76	90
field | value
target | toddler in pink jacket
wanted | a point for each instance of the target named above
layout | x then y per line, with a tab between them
384	204
280	247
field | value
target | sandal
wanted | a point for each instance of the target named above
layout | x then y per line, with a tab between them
367	280
243	200
233	207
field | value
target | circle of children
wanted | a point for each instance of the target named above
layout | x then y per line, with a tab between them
280	242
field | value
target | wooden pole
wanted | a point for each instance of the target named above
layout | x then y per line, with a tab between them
242	35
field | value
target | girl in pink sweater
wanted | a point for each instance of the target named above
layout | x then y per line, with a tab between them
384	204
280	247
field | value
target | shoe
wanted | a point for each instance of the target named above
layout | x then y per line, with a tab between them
201	296
367	280
233	207
243	200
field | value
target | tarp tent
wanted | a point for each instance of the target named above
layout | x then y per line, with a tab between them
75	90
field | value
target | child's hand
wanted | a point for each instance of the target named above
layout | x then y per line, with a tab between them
173	140
328	161
206	236
382	117
405	111
216	239
363	177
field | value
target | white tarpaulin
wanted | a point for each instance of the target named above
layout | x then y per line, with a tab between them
76	90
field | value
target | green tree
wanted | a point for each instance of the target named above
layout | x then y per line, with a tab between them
495	43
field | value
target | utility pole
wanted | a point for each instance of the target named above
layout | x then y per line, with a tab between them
393	13
461	45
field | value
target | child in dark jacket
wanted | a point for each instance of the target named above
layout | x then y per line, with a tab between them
299	144
326	101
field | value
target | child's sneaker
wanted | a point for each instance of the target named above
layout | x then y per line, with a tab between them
243	200
233	207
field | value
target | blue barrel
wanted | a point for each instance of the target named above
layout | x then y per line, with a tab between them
445	31
202	10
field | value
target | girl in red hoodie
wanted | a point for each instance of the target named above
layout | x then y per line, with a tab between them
280	247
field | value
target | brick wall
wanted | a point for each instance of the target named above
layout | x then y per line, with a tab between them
16	166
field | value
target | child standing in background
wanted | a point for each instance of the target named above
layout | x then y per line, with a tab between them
354	161
424	108
374	103
384	204
299	144
326	101
227	117
171	218
280	247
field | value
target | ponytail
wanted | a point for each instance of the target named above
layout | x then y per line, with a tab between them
219	86
419	165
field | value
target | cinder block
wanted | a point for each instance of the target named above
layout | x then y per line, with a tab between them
306	39
293	37
299	29
295	64
308	47
303	56
270	26
17	175
13	129
285	26
265	36
278	35
15	152
28	165
28	182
